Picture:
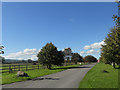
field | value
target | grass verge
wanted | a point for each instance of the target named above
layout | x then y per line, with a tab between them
8	78
96	78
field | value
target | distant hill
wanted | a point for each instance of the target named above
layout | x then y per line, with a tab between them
14	60
17	61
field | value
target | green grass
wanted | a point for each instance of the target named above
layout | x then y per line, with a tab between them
8	78
96	78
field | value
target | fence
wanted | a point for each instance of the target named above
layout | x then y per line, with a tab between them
24	67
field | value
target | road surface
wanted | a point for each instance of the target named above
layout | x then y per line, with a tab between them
69	78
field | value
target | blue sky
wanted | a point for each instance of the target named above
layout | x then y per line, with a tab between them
27	27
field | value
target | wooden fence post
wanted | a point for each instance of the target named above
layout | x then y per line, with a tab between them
38	66
42	67
10	69
26	67
14	68
32	67
18	67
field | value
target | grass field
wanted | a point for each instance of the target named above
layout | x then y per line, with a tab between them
96	78
8	78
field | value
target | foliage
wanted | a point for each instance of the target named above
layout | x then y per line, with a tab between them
76	58
23	61
50	56
1	49
59	58
29	61
111	49
90	58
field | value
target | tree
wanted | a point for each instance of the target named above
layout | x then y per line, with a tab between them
90	58
59	58
1	49
76	58
102	59
29	61
23	61
2	59
49	55
111	49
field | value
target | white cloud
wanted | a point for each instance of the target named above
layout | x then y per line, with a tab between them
94	45
87	47
25	54
91	51
34	57
92	48
82	52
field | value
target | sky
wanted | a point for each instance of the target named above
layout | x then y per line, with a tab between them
28	26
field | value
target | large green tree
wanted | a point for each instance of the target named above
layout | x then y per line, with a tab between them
76	58
49	55
89	58
59	58
29	61
110	52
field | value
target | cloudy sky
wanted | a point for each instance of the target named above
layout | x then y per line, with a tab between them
82	26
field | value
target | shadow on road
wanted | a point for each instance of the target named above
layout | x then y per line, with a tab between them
70	67
79	67
45	79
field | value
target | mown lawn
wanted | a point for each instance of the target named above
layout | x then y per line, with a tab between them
96	78
8	78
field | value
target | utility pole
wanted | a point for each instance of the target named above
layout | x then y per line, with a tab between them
116	18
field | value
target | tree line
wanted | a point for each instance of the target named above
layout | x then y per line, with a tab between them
110	52
49	55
